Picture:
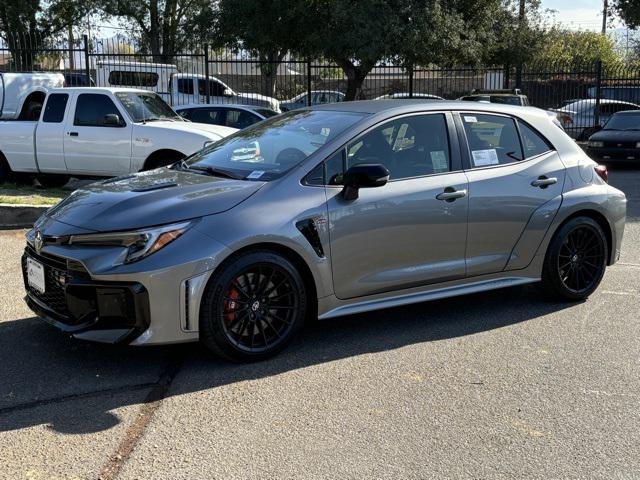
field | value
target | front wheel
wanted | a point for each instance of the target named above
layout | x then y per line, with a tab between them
576	260
252	307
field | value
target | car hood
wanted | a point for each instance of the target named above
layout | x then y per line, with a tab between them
150	198
616	136
213	132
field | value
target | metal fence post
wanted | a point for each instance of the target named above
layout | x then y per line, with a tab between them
596	113
411	81
87	67
308	82
206	72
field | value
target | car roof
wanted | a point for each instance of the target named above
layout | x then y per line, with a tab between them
401	106
628	112
99	90
220	105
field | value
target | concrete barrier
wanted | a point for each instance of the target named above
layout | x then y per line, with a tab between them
19	216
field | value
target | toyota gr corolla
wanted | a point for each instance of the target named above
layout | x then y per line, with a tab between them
323	212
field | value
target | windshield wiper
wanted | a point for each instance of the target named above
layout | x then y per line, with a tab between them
214	172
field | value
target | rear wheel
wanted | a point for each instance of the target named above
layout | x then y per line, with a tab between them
576	260
5	171
252	307
53	181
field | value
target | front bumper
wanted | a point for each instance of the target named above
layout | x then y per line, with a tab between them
74	303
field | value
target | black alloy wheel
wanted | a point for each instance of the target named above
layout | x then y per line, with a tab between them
252	307
576	259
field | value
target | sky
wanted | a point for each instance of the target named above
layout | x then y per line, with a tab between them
577	14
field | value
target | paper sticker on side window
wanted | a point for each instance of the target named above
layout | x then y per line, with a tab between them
482	158
439	161
470	119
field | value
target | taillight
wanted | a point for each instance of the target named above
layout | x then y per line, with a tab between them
602	172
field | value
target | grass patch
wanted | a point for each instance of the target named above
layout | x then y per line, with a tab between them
15	194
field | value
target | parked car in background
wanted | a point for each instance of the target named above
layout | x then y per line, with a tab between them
147	76
234	116
578	118
100	132
189	88
78	79
618	139
508	97
626	93
318	97
22	94
414	95
324	212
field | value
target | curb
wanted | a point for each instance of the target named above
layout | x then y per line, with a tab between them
19	216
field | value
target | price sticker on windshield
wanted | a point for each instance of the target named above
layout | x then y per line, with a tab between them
255	174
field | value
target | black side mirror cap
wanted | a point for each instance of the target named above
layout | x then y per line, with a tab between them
112	120
363	176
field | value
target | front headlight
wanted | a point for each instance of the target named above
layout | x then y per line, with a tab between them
139	243
596	144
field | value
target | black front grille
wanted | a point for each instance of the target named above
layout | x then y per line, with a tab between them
620	145
56	275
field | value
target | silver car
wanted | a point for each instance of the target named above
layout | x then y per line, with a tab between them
322	212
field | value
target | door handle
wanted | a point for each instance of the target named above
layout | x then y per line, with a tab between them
450	194
544	181
72	134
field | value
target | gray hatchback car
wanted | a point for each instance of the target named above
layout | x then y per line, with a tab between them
323	212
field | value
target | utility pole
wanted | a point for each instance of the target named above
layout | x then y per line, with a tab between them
605	11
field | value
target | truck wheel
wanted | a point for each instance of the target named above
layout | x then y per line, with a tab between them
6	174
53	181
162	158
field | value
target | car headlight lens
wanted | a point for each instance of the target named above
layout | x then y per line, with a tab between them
139	243
596	144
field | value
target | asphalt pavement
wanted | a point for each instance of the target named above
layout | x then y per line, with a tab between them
502	384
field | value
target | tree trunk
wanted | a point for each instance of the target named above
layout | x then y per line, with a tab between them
269	64
154	32
355	78
72	60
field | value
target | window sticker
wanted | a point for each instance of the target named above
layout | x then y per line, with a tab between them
470	119
255	174
482	158
439	161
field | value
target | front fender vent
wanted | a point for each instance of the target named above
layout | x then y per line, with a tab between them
309	230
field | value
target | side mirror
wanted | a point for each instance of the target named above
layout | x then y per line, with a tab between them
227	92
363	176
112	120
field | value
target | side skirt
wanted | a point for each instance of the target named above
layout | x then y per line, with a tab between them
406	299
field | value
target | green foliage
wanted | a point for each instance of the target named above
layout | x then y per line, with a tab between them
565	47
628	11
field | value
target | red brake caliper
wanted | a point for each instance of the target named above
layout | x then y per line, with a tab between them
230	305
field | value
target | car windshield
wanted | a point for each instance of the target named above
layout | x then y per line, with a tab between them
504	99
623	121
268	149
146	107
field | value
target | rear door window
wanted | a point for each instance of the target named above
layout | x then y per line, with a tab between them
55	107
213	116
492	139
185	86
532	142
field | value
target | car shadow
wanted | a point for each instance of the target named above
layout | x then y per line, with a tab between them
73	387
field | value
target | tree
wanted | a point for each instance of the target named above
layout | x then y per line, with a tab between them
628	11
165	26
358	35
267	29
22	28
578	48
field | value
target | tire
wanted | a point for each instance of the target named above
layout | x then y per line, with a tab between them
6	175
237	322
576	260
162	161
53	181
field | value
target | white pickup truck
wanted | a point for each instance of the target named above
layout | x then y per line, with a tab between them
22	94
99	132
